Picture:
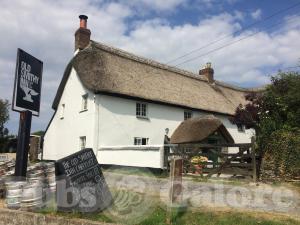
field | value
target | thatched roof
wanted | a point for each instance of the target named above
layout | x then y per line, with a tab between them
104	69
199	128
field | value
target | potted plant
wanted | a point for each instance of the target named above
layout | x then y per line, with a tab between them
198	162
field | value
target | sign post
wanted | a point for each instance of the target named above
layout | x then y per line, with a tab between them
176	188
26	100
23	144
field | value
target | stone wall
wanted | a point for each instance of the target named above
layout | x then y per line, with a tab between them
16	217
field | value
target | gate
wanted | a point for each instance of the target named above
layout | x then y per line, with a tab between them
243	162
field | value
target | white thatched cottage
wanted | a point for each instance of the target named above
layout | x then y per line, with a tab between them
121	104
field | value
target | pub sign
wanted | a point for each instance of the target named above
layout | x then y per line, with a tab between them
28	83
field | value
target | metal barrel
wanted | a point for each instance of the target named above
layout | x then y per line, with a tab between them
51	187
32	197
14	191
37	191
50	174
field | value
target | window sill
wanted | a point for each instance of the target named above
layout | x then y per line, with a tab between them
84	110
143	117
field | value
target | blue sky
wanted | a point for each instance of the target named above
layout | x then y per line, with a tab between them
160	30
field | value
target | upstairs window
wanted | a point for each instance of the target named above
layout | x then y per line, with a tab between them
141	141
84	102
141	110
82	142
62	111
188	115
241	127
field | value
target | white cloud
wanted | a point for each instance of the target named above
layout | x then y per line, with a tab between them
46	29
256	14
158	4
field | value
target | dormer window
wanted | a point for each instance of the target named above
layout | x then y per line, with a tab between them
241	127
188	115
84	102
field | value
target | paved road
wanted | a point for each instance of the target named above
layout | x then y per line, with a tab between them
199	194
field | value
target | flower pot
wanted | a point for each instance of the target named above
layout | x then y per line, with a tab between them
198	169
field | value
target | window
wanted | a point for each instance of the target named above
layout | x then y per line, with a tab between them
82	142
240	127
187	115
141	110
141	141
62	111
84	103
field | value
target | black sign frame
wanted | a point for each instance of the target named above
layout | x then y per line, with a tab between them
27	89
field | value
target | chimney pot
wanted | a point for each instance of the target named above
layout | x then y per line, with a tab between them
82	35
83	21
207	72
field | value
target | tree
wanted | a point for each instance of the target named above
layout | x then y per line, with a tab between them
274	111
4	116
39	133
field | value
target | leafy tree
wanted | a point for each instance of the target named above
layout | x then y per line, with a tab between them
4	116
273	113
39	133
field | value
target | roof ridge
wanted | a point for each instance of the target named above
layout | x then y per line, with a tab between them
145	60
163	66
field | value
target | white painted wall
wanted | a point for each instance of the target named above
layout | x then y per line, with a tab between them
62	136
118	125
110	125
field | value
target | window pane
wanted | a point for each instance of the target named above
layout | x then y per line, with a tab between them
82	142
138	109
84	102
141	141
143	110
62	112
187	115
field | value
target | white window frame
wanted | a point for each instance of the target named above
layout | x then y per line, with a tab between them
82	142
139	111
187	112
62	111
139	141
84	102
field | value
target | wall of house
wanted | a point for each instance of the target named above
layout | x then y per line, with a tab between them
62	136
118	125
110	125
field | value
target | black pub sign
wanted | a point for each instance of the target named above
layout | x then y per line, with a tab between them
28	83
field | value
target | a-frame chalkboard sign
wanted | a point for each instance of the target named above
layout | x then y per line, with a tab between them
80	183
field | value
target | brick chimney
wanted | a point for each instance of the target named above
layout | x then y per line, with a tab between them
82	35
207	72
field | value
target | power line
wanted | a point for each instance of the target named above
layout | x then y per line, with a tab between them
231	43
234	33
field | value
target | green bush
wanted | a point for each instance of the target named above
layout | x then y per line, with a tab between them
282	154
